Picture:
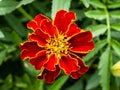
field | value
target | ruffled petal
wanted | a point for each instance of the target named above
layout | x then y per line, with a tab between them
49	76
63	19
52	61
32	25
40	41
82	42
68	64
39	60
73	29
39	37
29	49
35	24
38	19
47	27
82	70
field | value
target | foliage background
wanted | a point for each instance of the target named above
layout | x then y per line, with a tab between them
102	17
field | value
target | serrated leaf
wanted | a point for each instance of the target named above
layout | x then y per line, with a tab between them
59	4
16	24
96	14
86	3
1	34
7	6
98	46
116	46
104	69
24	2
114	5
59	83
2	56
97	29
97	3
116	26
115	14
93	82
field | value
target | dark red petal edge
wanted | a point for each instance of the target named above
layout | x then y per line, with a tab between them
49	76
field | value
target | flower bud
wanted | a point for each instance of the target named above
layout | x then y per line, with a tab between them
116	69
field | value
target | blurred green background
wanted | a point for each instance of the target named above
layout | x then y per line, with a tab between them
102	17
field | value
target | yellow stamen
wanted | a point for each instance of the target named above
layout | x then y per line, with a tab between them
58	46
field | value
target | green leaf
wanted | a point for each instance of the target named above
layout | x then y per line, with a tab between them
98	46
79	14
24	2
114	84
115	14
86	3
7	6
104	69
26	78
77	86
58	83
116	46
97	29
16	39
96	14
116	26
2	56
114	5
16	24
1	34
59	4
93	82
97	3
39	85
7	83
19	83
31	70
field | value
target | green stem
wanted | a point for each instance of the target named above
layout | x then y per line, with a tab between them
108	28
20	9
109	44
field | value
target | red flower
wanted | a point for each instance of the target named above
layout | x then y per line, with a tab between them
56	45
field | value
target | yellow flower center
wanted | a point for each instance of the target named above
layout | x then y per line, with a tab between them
58	46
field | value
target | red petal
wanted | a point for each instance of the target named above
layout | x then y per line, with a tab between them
81	55
50	65
39	19
82	42
39	37
40	41
39	60
68	64
32	25
63	20
73	29
47	27
29	49
35	24
49	76
82	70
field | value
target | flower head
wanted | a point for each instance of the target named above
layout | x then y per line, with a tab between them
55	45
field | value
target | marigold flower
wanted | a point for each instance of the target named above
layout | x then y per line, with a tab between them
57	45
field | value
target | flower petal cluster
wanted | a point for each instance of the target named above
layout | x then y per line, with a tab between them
57	45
